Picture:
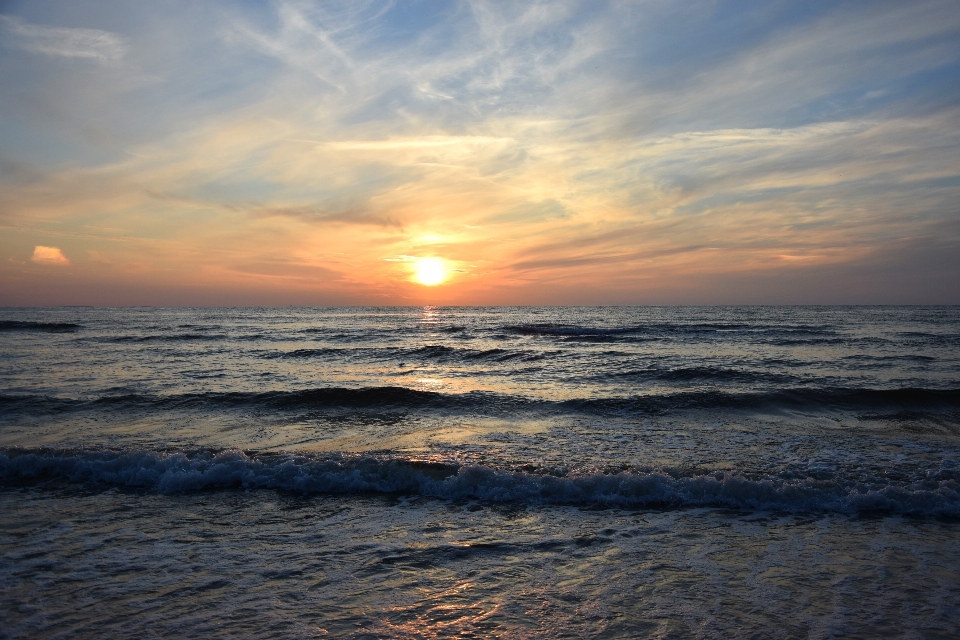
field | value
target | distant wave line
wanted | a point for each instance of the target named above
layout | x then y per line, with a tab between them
920	400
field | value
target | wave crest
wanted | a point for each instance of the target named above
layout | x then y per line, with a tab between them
939	403
936	493
47	327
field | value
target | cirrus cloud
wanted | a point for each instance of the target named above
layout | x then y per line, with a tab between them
103	46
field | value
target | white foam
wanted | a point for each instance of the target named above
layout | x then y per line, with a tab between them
204	470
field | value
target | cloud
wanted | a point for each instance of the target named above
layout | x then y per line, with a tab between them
566	142
103	46
49	255
286	269
322	214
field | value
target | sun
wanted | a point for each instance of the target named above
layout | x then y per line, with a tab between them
430	271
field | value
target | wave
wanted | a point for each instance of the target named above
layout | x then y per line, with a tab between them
669	330
704	374
574	333
427	352
453	328
307	353
173	337
49	327
442	352
919	402
503	355
933	492
895	359
306	399
815	341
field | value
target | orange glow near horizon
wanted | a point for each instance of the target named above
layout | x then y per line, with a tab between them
349	155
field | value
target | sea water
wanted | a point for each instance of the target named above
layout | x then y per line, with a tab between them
783	472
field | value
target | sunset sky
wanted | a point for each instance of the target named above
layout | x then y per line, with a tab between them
650	152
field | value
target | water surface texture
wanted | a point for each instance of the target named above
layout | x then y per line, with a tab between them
480	472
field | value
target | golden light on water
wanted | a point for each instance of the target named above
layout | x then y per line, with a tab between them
430	271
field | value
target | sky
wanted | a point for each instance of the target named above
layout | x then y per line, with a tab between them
328	153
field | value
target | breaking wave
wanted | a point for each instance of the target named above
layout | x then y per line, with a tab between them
932	492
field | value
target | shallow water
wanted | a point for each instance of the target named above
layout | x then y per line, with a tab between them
267	565
518	472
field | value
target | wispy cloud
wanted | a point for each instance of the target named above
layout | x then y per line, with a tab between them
73	42
601	147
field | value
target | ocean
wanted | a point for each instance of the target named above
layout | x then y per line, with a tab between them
433	472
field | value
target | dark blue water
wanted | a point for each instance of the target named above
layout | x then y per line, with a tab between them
426	431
